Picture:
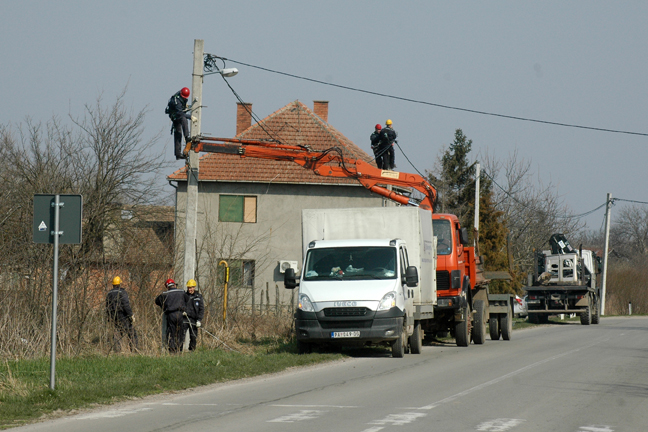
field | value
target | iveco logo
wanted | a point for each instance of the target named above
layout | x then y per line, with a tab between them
345	304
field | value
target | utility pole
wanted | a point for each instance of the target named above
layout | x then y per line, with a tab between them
476	221
191	220
608	205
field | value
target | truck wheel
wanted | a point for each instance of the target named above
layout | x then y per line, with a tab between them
534	318
493	326
304	348
479	328
506	325
586	316
544	319
596	316
398	346
416	340
462	330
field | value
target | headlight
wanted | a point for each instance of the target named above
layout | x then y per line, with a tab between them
305	303
388	301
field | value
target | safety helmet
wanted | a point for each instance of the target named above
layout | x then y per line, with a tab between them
169	283
191	283
388	122
185	92
116	280
378	127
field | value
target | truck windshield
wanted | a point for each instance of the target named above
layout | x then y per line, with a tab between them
443	232
351	263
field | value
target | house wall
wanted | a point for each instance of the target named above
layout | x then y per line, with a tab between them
275	236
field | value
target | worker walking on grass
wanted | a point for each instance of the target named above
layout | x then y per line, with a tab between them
172	302
387	140
375	138
120	313
179	113
195	312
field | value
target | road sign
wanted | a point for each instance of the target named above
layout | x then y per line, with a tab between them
70	212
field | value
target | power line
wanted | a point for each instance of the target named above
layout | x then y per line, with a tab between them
439	105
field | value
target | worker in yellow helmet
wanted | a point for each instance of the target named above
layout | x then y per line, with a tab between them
387	140
195	312
120	313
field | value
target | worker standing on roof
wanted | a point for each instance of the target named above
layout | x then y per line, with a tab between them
375	146
195	312
120	313
388	138
179	113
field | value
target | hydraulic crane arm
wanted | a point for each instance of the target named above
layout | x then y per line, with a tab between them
328	163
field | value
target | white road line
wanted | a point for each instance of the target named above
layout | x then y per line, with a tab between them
597	428
499	425
399	419
110	414
300	416
502	378
315	406
374	429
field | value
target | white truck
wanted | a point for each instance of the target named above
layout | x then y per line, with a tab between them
368	278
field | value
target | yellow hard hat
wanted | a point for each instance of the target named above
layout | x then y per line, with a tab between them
191	283
117	280
388	122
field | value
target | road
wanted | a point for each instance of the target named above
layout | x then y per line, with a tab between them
563	377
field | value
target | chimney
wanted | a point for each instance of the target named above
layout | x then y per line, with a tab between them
243	116
321	109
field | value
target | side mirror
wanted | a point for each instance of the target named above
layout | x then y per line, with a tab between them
463	236
290	280
411	276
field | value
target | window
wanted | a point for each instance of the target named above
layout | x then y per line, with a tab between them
241	273
237	208
443	232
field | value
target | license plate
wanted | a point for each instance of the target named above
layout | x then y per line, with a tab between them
348	334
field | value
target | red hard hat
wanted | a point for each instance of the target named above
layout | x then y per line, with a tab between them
185	92
378	127
169	282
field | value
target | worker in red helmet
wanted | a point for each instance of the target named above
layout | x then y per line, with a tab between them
375	145
179	113
172	302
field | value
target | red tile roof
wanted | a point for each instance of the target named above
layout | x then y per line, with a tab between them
294	124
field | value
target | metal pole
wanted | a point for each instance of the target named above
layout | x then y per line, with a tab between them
476	223
56	234
606	251
191	220
227	273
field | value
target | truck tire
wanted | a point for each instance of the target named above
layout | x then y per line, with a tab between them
596	316
462	330
506	325
416	340
493	326
479	327
586	316
399	345
534	318
304	348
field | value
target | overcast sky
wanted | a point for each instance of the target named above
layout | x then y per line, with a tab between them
578	62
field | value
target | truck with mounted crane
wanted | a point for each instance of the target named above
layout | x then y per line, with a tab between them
460	304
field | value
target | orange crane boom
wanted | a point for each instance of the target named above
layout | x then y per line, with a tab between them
328	163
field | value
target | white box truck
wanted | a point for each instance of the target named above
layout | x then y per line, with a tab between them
368	278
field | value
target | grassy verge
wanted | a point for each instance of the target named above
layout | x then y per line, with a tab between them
82	382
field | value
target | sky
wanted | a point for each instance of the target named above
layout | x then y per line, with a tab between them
579	62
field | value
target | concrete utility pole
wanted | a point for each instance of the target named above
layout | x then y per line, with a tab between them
191	220
606	250
476	221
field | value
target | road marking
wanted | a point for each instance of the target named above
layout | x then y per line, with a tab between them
110	414
502	378
374	429
399	419
300	416
315	406
499	425
596	428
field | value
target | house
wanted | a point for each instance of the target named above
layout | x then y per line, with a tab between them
249	210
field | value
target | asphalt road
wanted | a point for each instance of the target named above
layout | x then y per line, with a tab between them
550	378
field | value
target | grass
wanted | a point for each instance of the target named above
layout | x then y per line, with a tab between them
83	382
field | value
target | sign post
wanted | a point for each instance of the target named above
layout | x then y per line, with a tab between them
49	227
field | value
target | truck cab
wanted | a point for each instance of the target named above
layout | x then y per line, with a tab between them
354	293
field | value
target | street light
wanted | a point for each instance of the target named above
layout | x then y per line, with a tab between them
229	72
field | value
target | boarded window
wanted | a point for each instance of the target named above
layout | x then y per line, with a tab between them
237	208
